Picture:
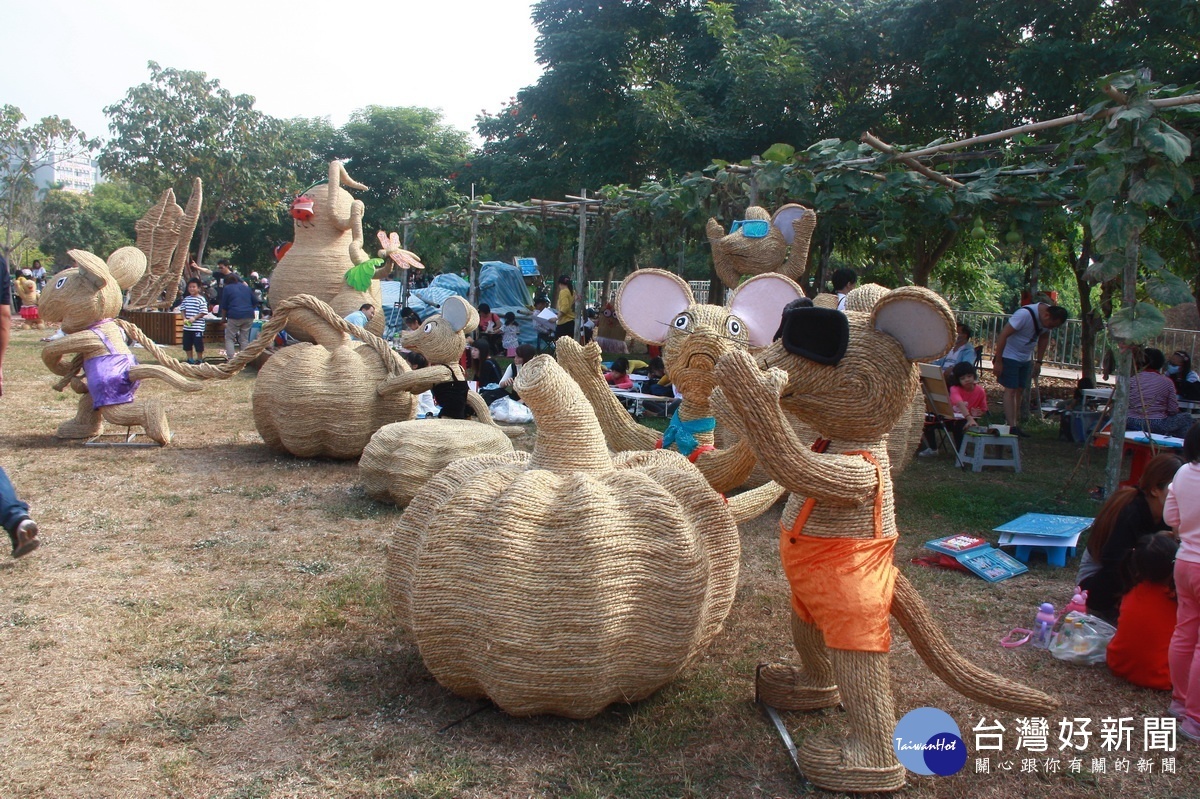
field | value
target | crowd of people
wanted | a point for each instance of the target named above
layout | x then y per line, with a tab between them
1141	571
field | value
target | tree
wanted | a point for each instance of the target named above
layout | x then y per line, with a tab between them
181	125
23	150
405	157
99	222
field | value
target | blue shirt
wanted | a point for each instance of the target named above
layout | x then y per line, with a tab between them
237	301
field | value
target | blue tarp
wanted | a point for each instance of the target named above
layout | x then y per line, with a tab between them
503	288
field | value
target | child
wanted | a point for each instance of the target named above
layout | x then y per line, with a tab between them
194	308
1182	512
969	401
512	334
1138	652
618	377
522	355
588	331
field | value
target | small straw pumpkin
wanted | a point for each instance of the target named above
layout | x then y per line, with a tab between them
563	581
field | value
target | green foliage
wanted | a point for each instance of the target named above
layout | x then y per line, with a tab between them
24	149
180	125
99	222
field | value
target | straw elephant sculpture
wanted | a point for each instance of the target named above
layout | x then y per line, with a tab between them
782	248
657	307
92	359
849	377
328	245
567	579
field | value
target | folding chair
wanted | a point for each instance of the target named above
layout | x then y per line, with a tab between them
937	405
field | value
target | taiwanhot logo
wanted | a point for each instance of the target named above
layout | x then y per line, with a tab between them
927	741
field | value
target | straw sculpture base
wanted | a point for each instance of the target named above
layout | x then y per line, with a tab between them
401	457
312	401
566	580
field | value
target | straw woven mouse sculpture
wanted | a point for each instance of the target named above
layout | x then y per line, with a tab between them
657	307
327	259
754	248
442	339
850	378
563	581
92	359
310	399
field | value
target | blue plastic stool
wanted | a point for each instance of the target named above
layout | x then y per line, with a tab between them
1055	556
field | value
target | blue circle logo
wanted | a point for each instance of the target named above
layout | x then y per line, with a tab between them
927	741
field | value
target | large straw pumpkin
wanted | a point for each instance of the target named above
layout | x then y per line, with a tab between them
563	581
320	400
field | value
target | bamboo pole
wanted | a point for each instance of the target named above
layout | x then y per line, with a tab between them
916	165
580	284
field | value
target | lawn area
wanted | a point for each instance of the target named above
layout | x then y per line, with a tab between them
209	620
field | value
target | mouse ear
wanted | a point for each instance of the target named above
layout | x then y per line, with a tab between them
649	300
91	268
459	313
917	318
127	265
759	303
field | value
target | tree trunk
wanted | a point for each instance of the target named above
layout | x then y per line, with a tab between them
926	261
1090	320
1120	403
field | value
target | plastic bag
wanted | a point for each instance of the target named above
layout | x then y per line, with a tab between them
1081	638
508	411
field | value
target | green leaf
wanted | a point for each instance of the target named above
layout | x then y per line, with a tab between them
1106	269
1104	183
1142	322
1160	137
359	277
1168	288
779	153
1156	190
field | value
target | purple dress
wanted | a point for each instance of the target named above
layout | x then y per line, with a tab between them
108	375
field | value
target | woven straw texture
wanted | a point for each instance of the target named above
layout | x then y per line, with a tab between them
325	248
401	457
164	235
855	405
318	400
563	581
736	256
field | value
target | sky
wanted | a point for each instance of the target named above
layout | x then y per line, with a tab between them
71	58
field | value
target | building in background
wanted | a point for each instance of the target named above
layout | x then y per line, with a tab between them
78	173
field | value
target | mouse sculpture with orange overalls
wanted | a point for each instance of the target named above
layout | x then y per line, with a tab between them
849	378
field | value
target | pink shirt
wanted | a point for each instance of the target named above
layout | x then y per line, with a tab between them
1152	396
976	400
1182	511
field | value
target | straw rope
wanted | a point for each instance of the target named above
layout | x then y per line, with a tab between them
564	580
867	399
400	458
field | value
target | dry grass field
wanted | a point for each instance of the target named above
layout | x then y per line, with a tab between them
210	620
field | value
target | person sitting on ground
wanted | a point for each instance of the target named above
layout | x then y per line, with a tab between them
618	376
512	334
1126	516
1138	652
490	328
427	408
963	351
1186	380
520	358
487	371
194	308
1153	406
409	318
658	385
